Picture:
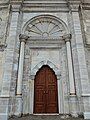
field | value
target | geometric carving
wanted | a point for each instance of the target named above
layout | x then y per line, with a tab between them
45	26
39	65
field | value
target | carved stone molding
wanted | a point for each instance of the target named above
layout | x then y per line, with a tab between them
60	39
28	5
2	47
23	38
16	5
46	62
67	37
73	5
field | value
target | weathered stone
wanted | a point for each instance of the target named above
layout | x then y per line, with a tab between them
44	26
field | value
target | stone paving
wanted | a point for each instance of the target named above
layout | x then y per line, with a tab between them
46	117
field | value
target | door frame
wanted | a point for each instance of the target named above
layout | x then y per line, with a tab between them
44	68
59	85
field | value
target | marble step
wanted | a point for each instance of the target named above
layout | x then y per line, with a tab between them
46	117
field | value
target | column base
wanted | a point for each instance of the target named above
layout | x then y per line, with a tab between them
3	117
19	105
73	105
87	115
4	101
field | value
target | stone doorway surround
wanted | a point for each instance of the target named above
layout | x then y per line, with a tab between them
57	73
65	37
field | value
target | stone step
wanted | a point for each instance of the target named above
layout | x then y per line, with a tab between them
45	117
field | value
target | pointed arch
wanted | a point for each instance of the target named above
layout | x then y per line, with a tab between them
42	63
45	91
47	66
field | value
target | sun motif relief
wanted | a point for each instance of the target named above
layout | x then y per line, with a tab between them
45	27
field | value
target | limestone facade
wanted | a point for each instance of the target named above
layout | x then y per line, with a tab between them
34	33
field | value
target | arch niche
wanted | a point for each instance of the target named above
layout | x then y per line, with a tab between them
45	28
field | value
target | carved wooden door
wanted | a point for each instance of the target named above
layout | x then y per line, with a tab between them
45	92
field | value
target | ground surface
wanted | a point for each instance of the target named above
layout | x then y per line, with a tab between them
45	117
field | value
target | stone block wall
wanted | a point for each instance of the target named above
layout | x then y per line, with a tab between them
13	17
85	25
1	68
4	23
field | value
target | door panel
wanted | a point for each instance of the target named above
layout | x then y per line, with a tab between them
45	92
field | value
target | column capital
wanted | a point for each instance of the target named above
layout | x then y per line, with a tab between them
23	38
67	37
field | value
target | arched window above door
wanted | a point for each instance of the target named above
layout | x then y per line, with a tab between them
45	26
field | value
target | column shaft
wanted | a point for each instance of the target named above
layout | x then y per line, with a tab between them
83	73
9	57
20	70
70	68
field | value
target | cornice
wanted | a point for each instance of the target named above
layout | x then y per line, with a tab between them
40	5
46	5
13	2
46	38
86	6
64	38
45	41
44	9
4	5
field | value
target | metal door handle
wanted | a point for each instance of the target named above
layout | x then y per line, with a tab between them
44	92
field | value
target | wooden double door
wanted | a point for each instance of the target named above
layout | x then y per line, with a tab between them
45	91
